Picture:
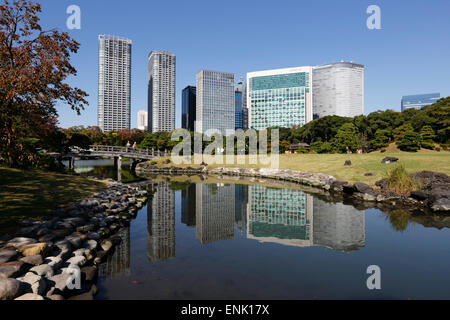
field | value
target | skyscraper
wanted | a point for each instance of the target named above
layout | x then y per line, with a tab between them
280	98
242	87
238	109
188	116
419	101
142	120
215	101
114	83
338	90
161	91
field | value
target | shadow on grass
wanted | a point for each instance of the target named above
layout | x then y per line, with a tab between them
35	194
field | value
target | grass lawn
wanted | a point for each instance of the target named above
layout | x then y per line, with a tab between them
333	164
34	194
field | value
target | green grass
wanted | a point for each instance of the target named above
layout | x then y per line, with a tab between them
34	194
333	164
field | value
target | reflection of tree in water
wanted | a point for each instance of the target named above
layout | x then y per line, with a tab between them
110	172
399	219
118	264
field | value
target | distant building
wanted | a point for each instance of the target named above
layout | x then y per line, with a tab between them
161	91
142	120
242	116
188	205
215	101
280	98
238	109
189	101
114	83
419	101
338	90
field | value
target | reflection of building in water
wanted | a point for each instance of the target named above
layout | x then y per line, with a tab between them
118	264
161	224
338	226
188	206
292	217
215	212
282	216
240	207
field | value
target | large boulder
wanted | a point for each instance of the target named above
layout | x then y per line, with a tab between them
33	260
19	242
11	269
7	254
34	249
389	160
9	289
363	188
44	270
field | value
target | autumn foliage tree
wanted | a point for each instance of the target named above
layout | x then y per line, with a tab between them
34	67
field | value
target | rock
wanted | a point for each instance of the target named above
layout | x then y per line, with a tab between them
419	195
106	245
101	256
33	260
388	160
54	262
74	240
36	284
338	185
84	296
19	242
59	284
363	188
34	249
349	189
61	233
9	289
89	274
56	297
347	163
43	270
90	244
441	205
30	296
78	261
75	222
368	174
47	237
80	252
7	254
11	269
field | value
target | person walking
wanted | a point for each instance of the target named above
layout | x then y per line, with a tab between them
134	146
128	145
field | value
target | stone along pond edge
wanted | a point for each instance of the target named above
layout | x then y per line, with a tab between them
34	263
434	195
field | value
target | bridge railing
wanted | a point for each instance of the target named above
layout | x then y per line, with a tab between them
129	150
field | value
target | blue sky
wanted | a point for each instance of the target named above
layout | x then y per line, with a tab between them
409	55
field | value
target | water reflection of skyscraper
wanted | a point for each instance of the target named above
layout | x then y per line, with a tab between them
292	217
118	264
215	207
161	224
188	206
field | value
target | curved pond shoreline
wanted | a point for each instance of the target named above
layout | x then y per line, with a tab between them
438	203
36	263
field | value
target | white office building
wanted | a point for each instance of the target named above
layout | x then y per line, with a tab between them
142	120
114	83
338	90
215	101
161	91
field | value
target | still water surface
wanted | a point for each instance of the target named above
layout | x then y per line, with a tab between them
227	241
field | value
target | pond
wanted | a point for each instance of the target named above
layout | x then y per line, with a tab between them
231	241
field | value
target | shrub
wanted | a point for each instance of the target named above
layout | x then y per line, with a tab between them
154	163
383	150
400	182
437	149
410	142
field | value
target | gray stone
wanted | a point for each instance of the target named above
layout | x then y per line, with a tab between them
7	254
363	188
30	296
78	261
106	245
56	297
90	244
442	204
43	270
19	242
11	269
36	284
33	260
388	160
54	262
75	241
9	289
89	274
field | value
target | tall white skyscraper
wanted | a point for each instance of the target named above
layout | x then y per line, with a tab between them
161	91
114	83
142	120
338	90
215	101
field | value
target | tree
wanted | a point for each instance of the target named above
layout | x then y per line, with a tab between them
427	135
410	142
346	138
380	140
34	66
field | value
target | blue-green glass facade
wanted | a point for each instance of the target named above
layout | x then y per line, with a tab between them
279	100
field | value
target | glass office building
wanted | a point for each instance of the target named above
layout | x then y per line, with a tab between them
114	83
238	110
189	100
419	101
280	98
215	102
